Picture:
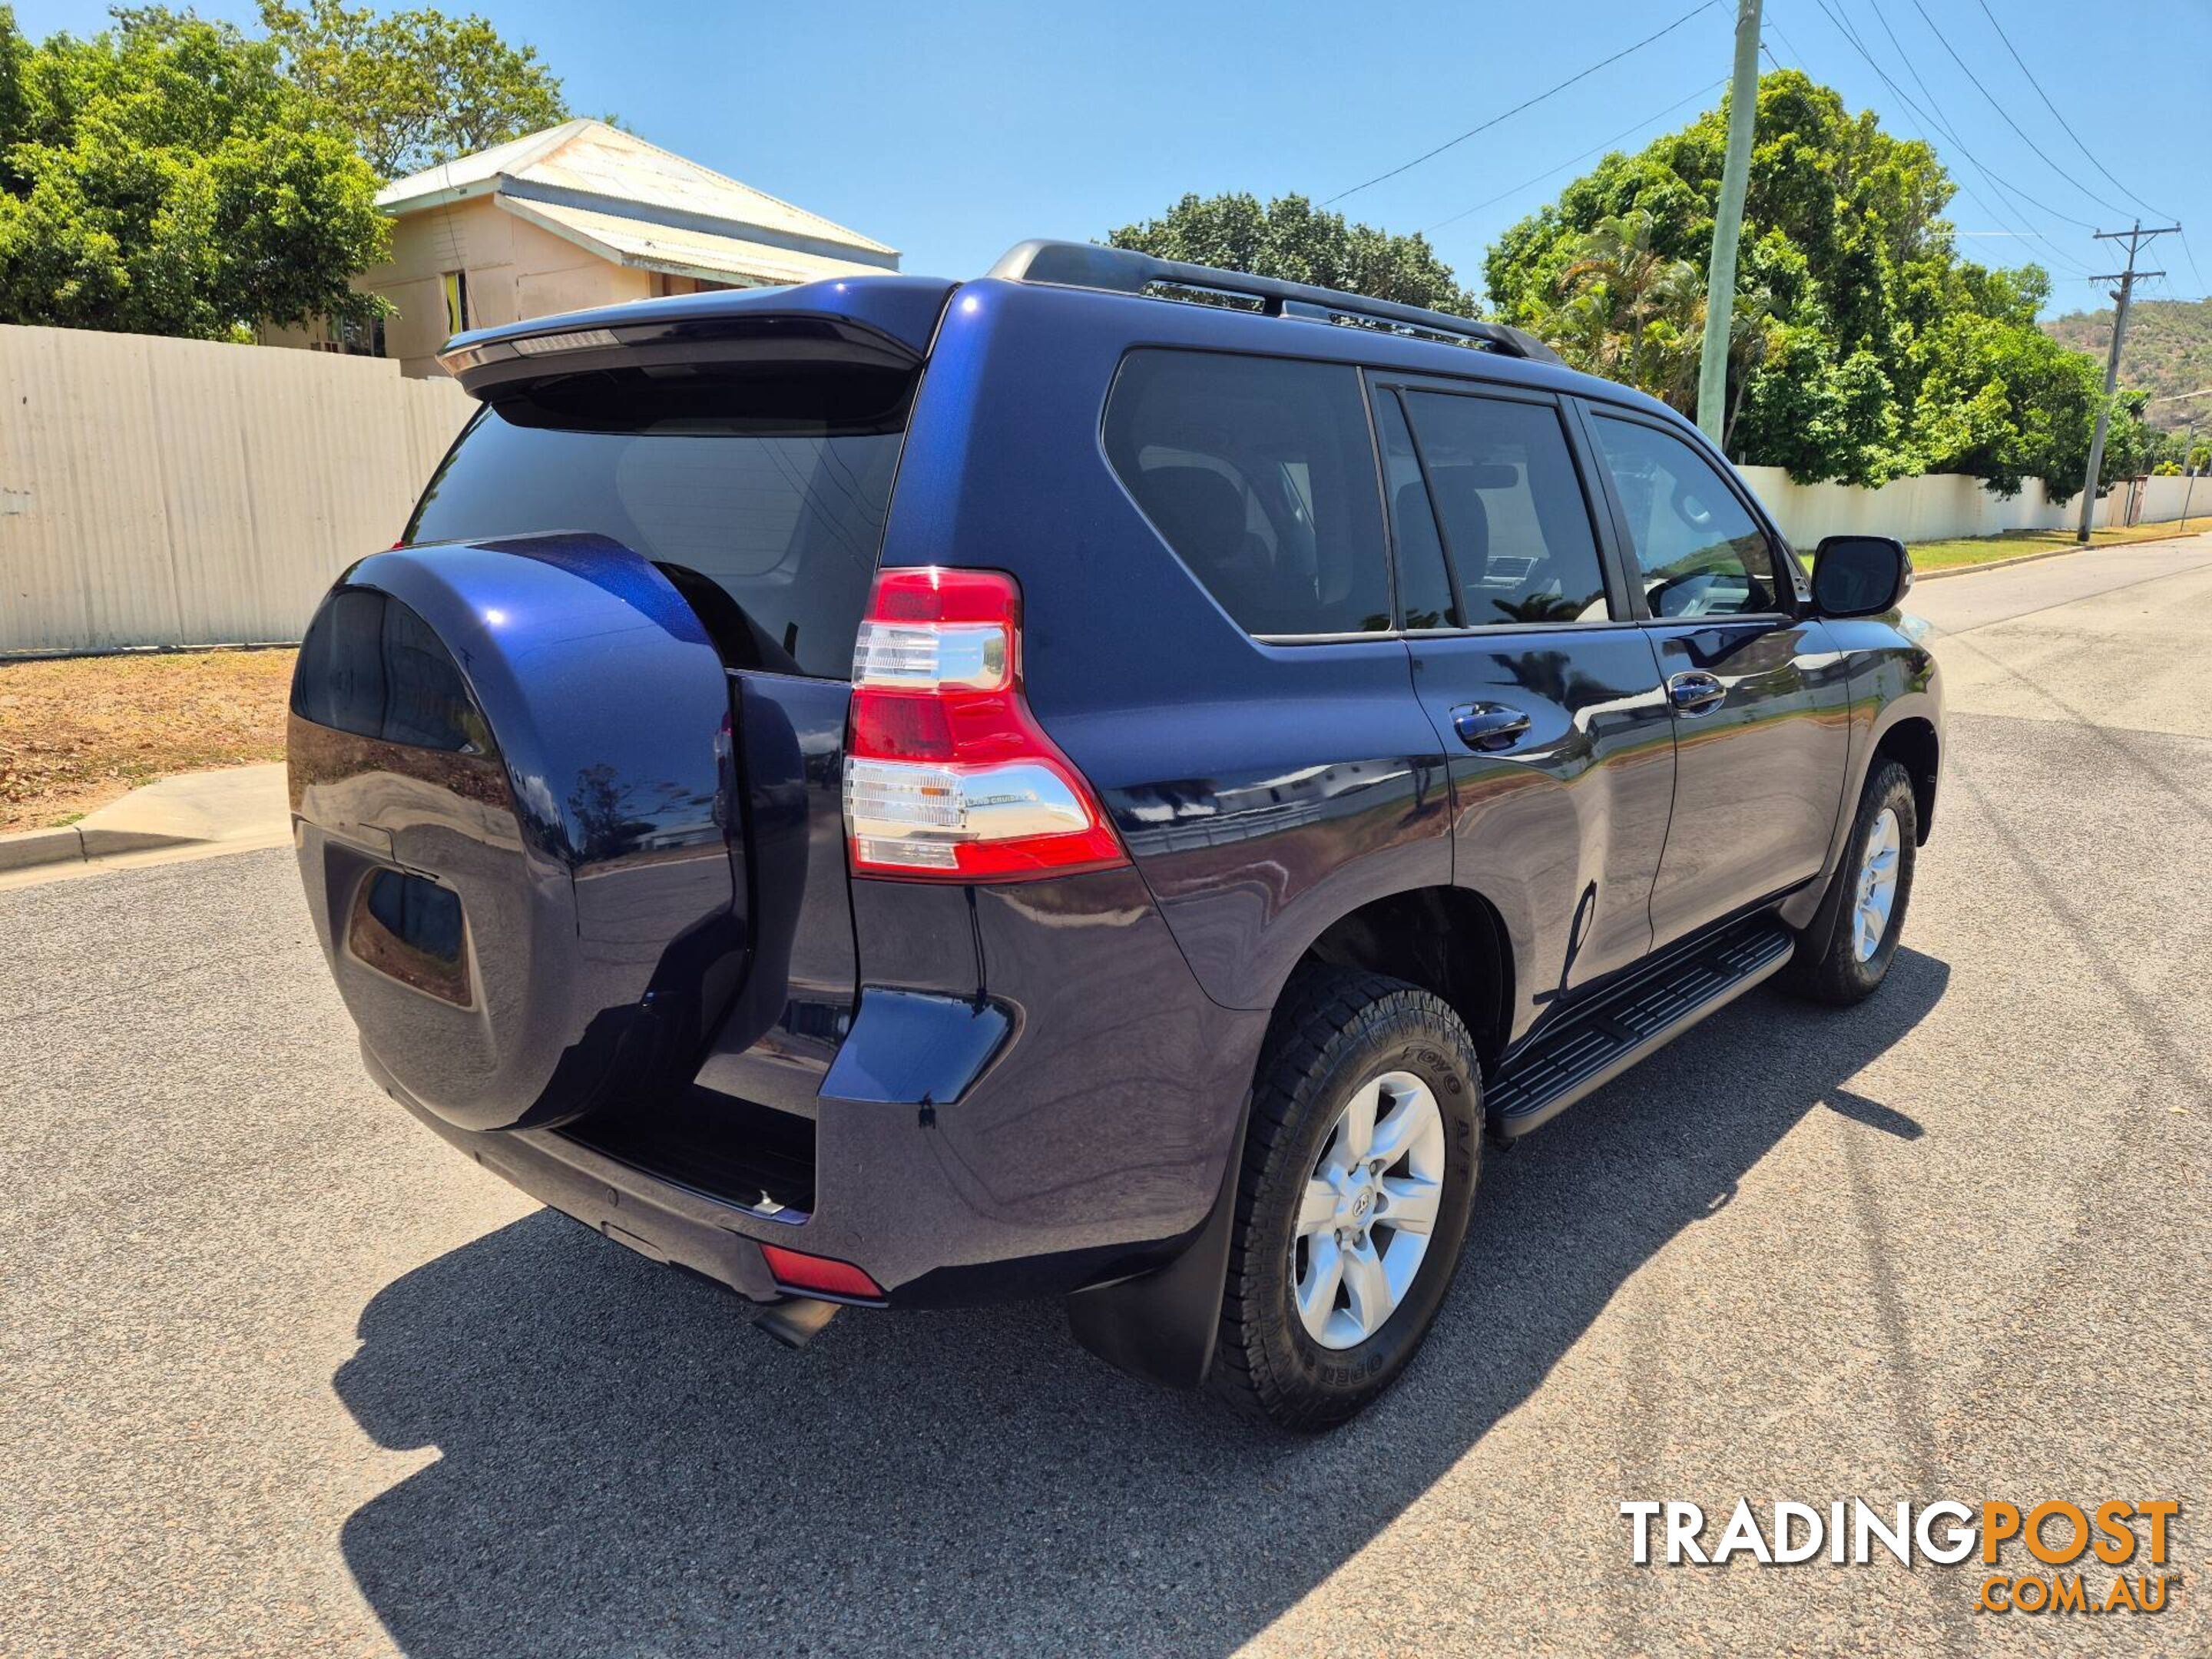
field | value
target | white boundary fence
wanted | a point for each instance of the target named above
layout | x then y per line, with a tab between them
180	492
159	492
1939	506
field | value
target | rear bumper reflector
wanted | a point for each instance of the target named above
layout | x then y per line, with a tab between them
817	1275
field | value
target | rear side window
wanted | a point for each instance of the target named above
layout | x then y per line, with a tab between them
1260	473
1424	593
769	489
1516	524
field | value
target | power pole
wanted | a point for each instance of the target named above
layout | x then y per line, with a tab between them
2189	489
2188	444
1727	225
2135	239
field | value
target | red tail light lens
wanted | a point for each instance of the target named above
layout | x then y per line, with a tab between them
948	776
794	1270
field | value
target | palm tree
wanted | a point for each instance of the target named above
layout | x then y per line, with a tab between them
1628	312
1633	284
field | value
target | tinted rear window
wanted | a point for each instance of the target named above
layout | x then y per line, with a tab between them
1260	473
772	489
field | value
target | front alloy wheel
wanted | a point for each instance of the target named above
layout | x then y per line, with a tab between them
1846	949
1877	889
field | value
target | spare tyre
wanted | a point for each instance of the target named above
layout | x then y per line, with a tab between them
511	779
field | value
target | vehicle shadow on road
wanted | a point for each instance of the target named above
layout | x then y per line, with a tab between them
622	1466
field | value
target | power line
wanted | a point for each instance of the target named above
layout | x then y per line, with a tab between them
1949	128
2060	116
1595	149
1964	189
1941	119
1968	72
1705	5
1766	28
1995	180
1788	44
2190	253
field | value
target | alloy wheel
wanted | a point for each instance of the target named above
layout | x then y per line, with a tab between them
1368	1210
1877	887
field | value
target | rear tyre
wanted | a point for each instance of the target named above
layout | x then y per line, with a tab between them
1360	1163
1845	951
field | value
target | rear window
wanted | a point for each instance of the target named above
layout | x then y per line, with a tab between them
1260	473
768	491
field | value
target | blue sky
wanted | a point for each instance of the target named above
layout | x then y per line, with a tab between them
955	129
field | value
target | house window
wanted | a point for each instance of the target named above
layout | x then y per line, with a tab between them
457	302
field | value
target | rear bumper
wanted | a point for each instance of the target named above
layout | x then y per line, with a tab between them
1089	1146
657	1219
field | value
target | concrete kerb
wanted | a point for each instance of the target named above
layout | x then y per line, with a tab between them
242	804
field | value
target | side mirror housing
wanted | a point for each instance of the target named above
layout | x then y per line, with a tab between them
1860	575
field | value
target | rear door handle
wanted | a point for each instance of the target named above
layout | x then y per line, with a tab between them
1489	727
1695	692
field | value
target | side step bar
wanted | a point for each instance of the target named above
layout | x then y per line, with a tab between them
1588	1047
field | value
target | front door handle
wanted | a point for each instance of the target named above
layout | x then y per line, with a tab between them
1695	692
1489	727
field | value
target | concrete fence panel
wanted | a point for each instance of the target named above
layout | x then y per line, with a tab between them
178	492
2165	500
1932	507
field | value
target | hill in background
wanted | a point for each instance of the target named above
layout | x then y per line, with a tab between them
2169	349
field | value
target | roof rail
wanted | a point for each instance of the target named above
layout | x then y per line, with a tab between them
1124	270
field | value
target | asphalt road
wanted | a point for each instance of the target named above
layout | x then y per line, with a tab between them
280	1374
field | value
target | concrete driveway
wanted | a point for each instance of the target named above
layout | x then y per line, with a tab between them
279	1373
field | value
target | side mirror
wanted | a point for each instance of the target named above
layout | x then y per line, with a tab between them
1860	575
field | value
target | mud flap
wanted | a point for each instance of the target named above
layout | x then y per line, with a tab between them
1160	1325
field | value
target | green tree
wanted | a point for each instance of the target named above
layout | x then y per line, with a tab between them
14	62
164	177
417	88
1292	240
2007	403
1872	349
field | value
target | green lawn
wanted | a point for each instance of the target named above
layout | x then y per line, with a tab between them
2017	543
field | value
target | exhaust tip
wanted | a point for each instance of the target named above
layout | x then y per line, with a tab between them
795	1321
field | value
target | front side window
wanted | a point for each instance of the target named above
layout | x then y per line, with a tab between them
1259	472
1515	524
1699	551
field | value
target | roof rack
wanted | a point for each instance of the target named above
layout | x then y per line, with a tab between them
1124	270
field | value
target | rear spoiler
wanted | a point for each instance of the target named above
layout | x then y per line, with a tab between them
880	322
1124	270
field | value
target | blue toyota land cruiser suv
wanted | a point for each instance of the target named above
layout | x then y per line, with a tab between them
1107	781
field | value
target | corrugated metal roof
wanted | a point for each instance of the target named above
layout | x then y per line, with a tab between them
681	250
631	178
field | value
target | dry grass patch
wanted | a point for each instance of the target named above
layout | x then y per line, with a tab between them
75	734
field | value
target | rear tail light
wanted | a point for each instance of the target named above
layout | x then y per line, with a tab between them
948	776
794	1270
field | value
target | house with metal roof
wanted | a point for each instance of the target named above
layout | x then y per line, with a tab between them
581	214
